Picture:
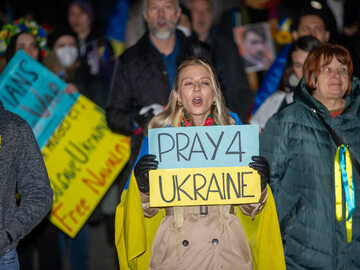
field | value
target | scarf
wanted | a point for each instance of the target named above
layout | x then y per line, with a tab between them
185	121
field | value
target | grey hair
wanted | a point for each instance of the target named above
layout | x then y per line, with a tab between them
177	5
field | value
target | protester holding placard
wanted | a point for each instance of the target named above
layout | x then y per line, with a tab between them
25	35
62	60
313	147
63	55
194	237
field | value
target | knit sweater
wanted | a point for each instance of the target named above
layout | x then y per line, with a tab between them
22	171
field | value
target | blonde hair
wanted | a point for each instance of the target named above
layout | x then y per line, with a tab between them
172	112
171	116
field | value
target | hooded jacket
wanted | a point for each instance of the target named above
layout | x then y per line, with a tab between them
22	171
301	154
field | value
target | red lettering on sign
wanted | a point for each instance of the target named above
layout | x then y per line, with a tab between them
71	214
99	179
79	210
61	219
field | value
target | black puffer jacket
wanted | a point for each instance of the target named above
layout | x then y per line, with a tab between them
301	154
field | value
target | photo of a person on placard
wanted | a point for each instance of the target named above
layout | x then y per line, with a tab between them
255	46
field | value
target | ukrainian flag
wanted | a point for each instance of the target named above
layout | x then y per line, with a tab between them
135	233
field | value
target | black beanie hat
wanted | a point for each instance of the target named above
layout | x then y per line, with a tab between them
57	32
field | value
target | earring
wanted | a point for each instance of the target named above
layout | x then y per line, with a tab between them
214	103
179	103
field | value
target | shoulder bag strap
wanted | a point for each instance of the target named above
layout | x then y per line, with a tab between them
339	141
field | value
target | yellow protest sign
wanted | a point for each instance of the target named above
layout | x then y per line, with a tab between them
83	157
204	186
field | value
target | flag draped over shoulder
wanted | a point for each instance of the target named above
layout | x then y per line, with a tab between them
134	233
264	237
271	80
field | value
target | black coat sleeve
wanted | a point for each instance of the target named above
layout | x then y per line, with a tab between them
119	111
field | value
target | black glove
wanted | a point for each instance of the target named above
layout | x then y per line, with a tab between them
144	119
141	171
262	167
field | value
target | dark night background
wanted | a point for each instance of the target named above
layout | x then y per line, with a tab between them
53	12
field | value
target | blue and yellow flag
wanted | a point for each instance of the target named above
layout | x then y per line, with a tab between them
134	233
271	80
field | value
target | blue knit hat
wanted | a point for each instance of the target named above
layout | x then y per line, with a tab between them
85	5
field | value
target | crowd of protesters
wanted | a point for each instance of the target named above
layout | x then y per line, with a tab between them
124	56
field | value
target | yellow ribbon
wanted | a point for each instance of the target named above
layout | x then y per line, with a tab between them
338	189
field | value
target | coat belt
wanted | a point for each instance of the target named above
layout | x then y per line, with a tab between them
202	210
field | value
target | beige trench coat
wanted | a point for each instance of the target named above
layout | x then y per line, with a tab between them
203	241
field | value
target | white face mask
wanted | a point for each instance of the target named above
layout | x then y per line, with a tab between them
67	55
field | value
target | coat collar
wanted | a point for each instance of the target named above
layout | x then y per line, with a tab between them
148	51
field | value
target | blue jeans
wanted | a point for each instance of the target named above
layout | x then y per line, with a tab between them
10	261
77	247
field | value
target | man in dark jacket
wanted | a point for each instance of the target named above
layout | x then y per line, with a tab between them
144	73
22	171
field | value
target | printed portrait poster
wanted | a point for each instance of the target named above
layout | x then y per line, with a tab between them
255	46
82	156
204	165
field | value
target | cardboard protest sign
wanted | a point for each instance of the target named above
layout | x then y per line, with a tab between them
83	158
30	90
196	186
204	165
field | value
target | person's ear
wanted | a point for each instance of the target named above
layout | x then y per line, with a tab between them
295	35
178	98
327	36
314	82
145	15
178	13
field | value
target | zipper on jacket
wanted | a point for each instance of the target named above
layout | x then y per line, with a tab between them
332	215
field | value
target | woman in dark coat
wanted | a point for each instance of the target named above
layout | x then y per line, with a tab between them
305	173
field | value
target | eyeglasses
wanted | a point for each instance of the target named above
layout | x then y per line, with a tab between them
342	71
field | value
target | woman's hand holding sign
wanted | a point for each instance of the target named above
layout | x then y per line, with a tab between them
141	171
262	166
